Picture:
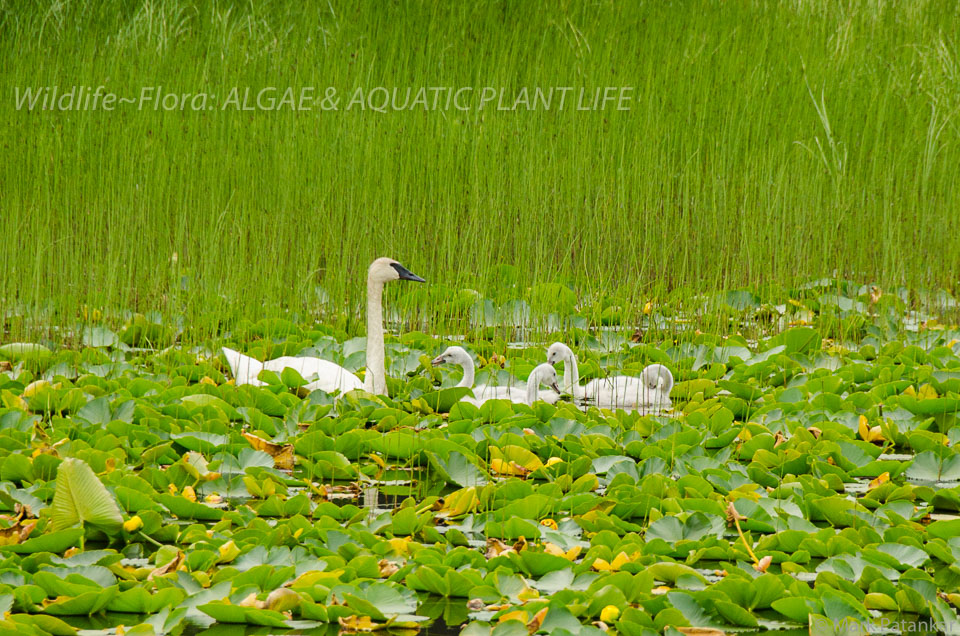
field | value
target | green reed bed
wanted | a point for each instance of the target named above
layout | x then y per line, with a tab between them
765	143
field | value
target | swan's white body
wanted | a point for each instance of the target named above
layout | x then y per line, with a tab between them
483	392
329	376
649	391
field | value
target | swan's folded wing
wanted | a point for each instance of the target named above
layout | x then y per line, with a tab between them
322	374
618	392
306	367
548	395
244	368
332	377
484	392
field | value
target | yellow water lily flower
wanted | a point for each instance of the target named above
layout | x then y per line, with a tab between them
94	315
609	613
502	467
868	433
555	550
133	524
190	493
602	565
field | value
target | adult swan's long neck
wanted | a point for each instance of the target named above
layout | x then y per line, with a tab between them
375	380
381	271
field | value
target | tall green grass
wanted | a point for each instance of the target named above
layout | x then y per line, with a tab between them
767	143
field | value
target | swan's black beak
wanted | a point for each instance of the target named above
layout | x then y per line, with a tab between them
437	361
405	274
553	385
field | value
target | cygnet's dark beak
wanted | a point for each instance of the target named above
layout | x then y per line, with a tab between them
553	385
405	274
437	361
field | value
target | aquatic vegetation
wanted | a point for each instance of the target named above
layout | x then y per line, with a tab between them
821	142
804	477
796	482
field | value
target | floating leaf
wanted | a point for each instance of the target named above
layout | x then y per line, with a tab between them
81	498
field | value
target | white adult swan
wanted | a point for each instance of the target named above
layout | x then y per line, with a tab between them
651	390
332	377
546	375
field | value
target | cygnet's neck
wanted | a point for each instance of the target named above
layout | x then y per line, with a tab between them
533	386
468	372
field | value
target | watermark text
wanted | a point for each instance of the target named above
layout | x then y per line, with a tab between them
378	99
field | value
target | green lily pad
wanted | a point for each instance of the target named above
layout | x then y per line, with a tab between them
235	614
